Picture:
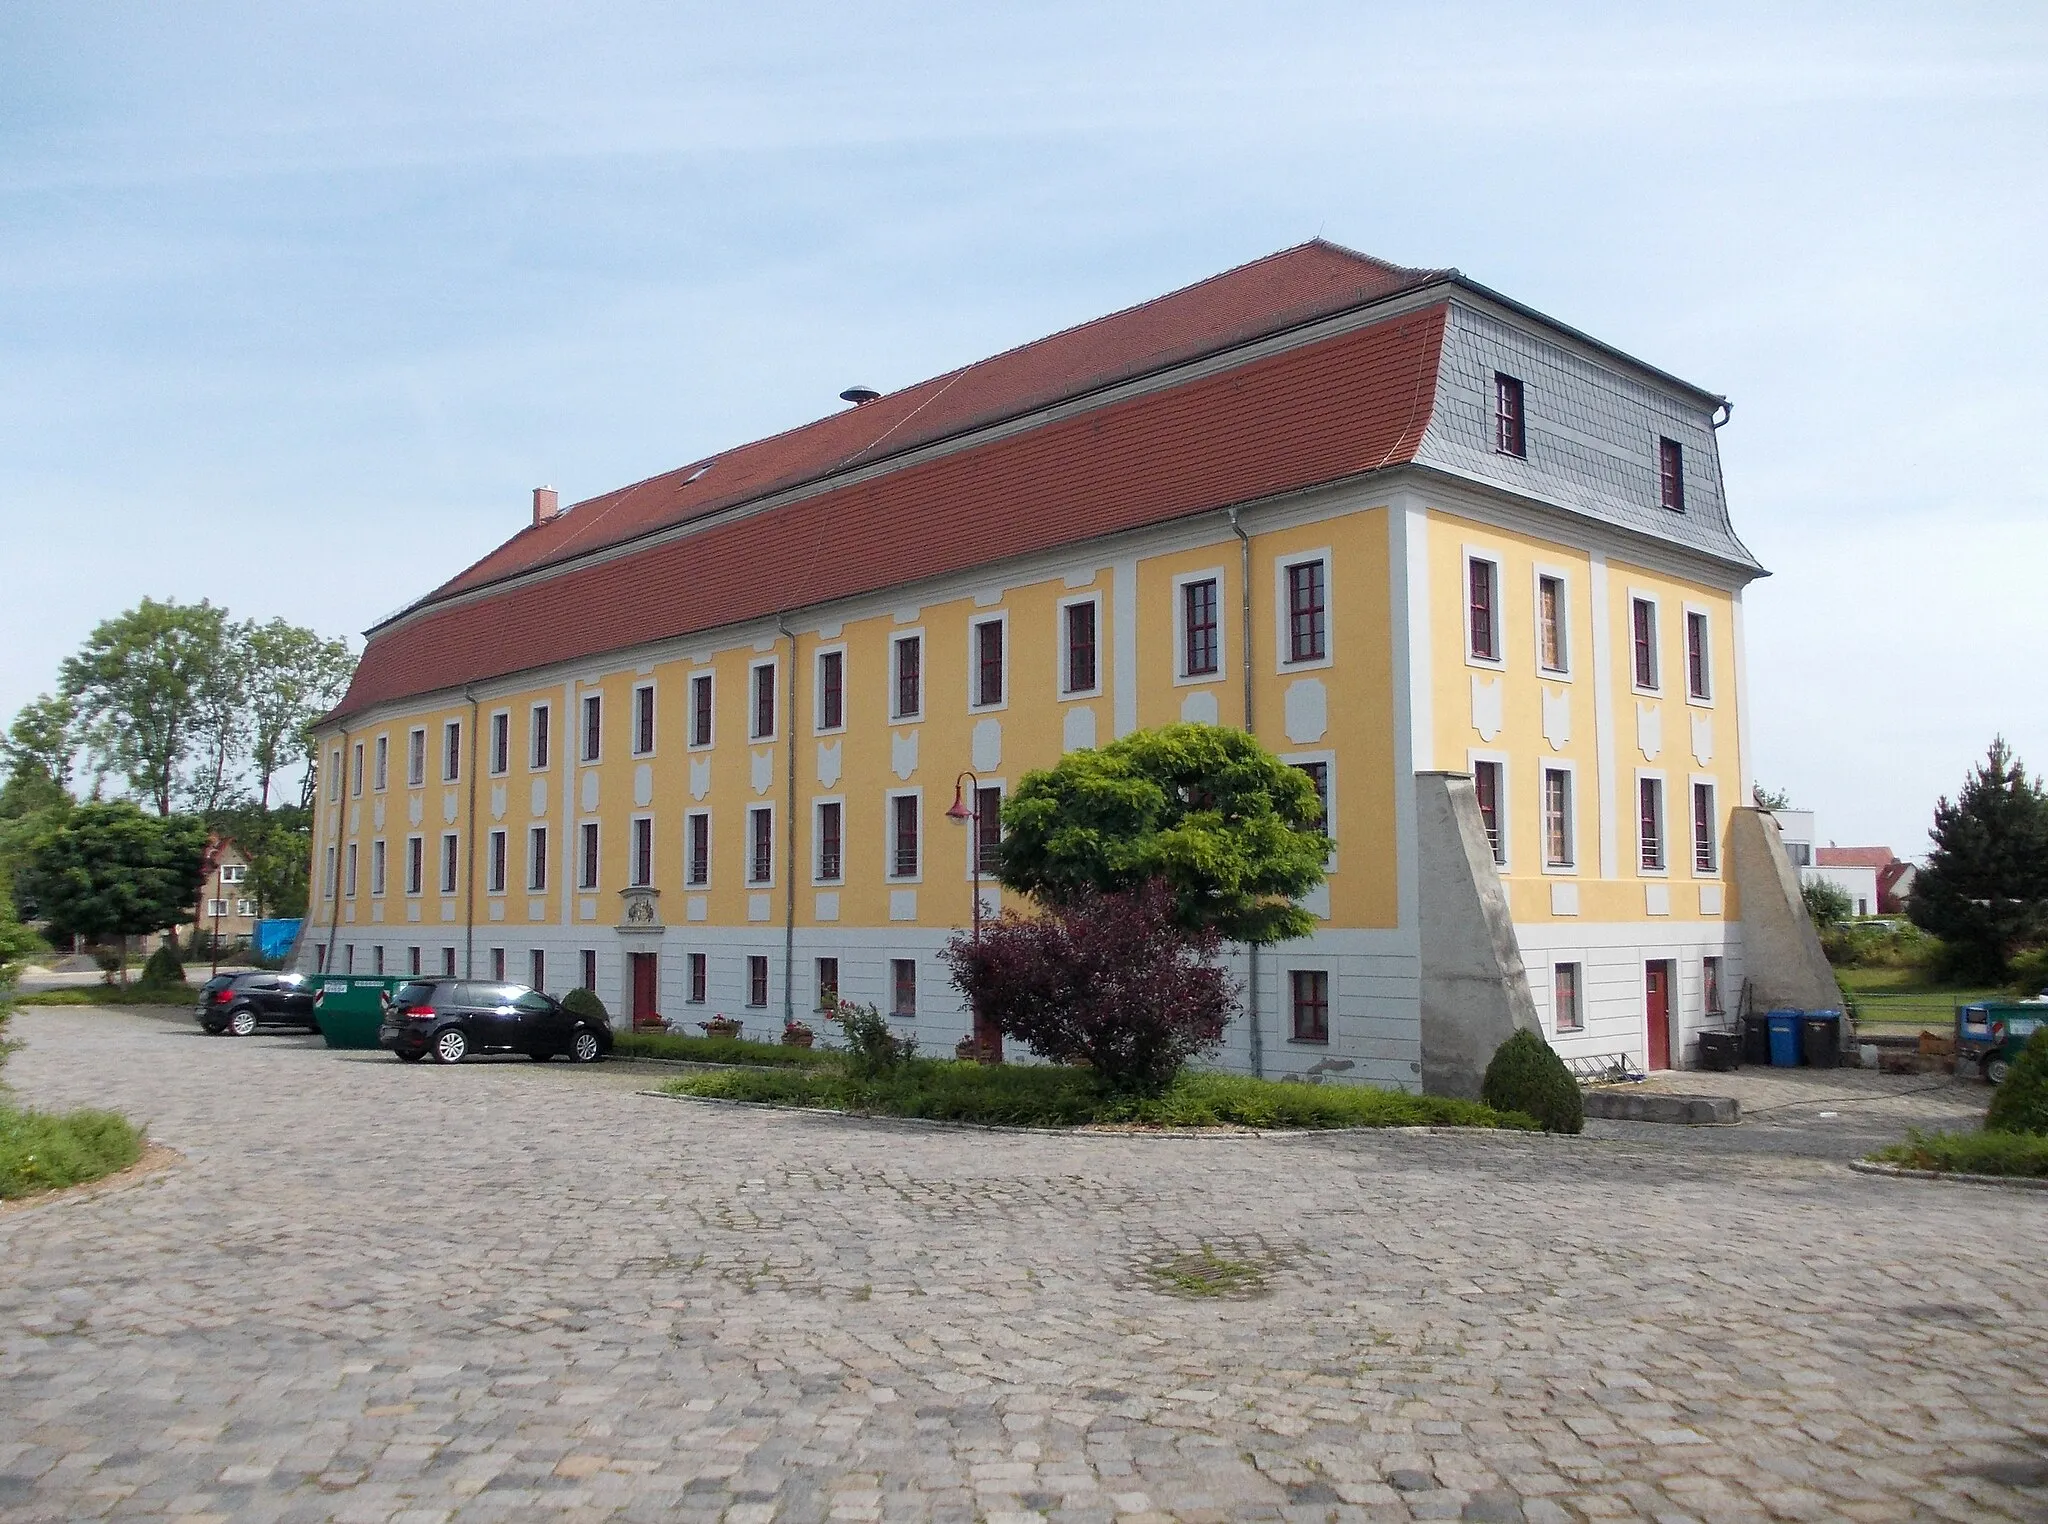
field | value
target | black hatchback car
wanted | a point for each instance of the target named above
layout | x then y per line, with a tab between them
240	1003
453	1018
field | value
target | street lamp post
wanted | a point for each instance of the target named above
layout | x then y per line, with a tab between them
966	810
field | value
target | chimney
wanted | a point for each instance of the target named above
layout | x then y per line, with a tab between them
547	504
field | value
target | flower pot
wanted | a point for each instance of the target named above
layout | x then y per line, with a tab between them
798	1037
720	1028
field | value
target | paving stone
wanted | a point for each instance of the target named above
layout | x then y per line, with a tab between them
504	1291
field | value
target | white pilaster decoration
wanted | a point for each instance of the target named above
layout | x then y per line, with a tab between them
1124	647
1603	711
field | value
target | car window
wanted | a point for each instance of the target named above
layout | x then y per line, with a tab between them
258	982
534	1005
216	983
413	994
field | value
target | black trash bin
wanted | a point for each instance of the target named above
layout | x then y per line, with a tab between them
1756	1039
1823	1039
1720	1051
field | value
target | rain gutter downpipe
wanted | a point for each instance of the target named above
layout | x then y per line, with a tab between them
469	849
789	836
1251	949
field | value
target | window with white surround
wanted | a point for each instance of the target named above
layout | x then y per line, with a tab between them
902	987
498	964
1642	623
416	757
643	720
494	863
451	860
1304	610
904	835
377	959
1710	986
1567	1010
501	743
761	705
1309	1004
1489	787
985	852
1649	823
988	661
1553	623
828	699
355	782
757	981
761	844
538	741
593	727
451	751
377	867
333	774
1699	659
828	984
906	676
1559	824
1482	609
536	859
699	978
1706	847
700	710
383	764
1080	627
448	961
829	863
1510	437
697	848
1198	625
588	958
537	969
587	855
1671	475
1320	768
643	851
233	873
412	960
415	864
350	891
327	879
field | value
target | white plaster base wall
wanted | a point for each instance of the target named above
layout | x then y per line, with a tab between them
1612	957
1375	1009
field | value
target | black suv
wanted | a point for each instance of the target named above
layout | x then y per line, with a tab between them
240	1003
453	1018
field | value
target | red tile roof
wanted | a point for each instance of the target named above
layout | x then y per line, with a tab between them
1281	291
1852	857
1335	408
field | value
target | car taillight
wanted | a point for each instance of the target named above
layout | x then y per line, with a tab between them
222	997
420	1013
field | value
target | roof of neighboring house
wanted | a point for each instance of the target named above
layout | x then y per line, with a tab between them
1319	412
1852	857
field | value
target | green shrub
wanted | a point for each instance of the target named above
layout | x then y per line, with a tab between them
163	968
1527	1076
109	994
41	1151
581	1002
2030	971
1050	1095
872	1050
1971	1153
714	1050
2021	1103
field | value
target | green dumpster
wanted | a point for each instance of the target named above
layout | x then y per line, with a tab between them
350	1007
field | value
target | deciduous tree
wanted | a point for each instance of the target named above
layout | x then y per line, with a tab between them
140	684
109	870
1235	833
295	676
38	752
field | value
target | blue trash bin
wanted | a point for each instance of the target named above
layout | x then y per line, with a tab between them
1785	1038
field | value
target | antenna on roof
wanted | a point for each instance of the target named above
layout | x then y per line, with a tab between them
859	396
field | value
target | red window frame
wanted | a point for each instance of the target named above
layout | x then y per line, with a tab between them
699	978
1650	823
764	701
903	857
757	981
988	663
988	827
1705	856
831	830
1486	789
539	753
831	690
698	829
451	759
1671	475
643	852
909	659
1566	1013
1309	1005
593	726
501	744
761	844
587	878
1081	676
1696	672
537	966
1551	613
643	720
828	983
903	986
1643	630
588	959
1509	436
1482	600
700	709
1307	612
1199	601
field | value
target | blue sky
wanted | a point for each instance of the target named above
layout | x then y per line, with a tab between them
286	286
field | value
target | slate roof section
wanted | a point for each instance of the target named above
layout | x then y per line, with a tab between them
1270	295
1323	411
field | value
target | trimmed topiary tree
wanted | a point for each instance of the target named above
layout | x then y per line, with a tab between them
581	1002
1526	1075
163	968
2021	1103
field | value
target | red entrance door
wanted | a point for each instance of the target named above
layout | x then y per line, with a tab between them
1657	1008
645	997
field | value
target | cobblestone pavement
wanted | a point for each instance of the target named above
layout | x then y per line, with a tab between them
376	1291
1823	1113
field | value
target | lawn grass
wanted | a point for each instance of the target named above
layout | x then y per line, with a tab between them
1045	1095
113	994
1906	997
715	1050
44	1151
1971	1153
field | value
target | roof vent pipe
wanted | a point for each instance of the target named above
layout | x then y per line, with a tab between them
547	504
859	396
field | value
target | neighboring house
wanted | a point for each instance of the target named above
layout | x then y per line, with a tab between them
1870	876
227	907
693	742
1796	828
1895	887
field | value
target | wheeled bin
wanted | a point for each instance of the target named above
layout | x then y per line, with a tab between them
1785	1036
1821	1044
350	1007
1720	1051
1756	1039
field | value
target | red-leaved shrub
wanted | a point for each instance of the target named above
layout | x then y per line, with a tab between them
1107	980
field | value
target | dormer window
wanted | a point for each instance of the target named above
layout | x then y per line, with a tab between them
1508	435
1671	475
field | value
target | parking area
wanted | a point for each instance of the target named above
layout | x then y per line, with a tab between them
505	1291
